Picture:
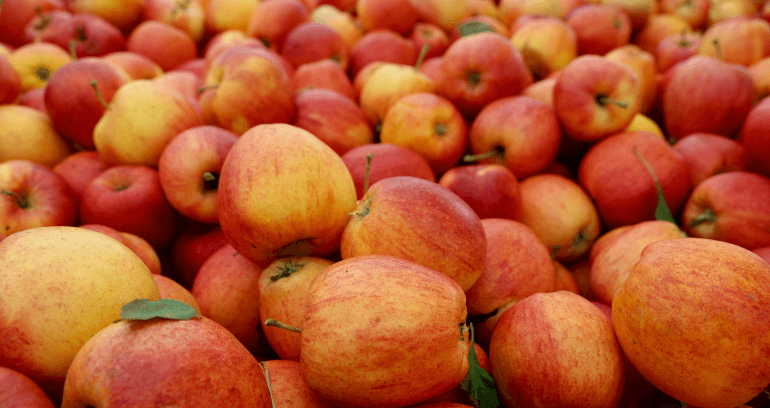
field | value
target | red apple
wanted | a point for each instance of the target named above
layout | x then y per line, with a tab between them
381	45
137	66
432	35
599	28
34	98
187	16
708	154
196	66
753	136
491	190
16	14
191	248
272	21
388	160
760	74
741	40
10	81
89	34
547	44
162	43
78	169
676	48
323	74
310	42
397	15
20	391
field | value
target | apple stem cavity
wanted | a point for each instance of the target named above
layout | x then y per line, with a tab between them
267	378
603	100
364	209
275	323
423	53
718	49
474	78
440	129
206	88
22	202
94	85
707	216
366	175
498	151
178	6
44	20
287	269
210	181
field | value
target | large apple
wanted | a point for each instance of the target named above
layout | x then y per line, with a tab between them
388	160
283	192
399	322
28	134
694	318
420	221
491	190
69	284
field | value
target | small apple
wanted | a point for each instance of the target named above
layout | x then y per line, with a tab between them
123	14
381	45
79	168
272	21
191	248
599	28
16	14
162	43
323	74
643	64
723	10
709	154
741	40
491	190
89	34
36	63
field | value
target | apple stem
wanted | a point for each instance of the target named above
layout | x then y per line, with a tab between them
603	99
210	181
707	216
178	5
423	53
44	20
497	151
22	201
72	50
715	41
267	378
366	175
98	94
286	270
474	78
206	88
364	209
275	323
683	41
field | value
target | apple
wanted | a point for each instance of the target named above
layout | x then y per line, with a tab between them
432	68
28	134
703	326
381	45
10	82
345	24
541	90
196	66
694	12
34	98
387	84
429	125
708	154
288	387
561	215
191	248
225	15
676	48
620	184
511	10
333	118
556	349
479	20
519	132
643	64
227	289
310	42
186	83
432	35
643	122
17	13
443	231
189	169
761	77
705	94
599	28
722	10
753	138
33	196
71	102
388	160
658	27
253	182
546	43
272	21
170	289
79	168
20	391
491	190
36	63
479	69
595	97
354	311
91	276
137	244
130	199
140	121
162	43
282	287
137	66
443	13
397	15
605	241
323	74
731	207
123	14
93	36
187	15
180	353
740	40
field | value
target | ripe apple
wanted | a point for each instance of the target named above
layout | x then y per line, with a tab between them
10	81
268	162
420	221
191	248
189	169
658	27
123	14
162	43
282	287
491	190
323	74
430	125
753	136
643	64
354	311
79	168
180	352
397	15
546	43
34	98
186	83
519	132
135	243
225	15
130	199
432	35
36	62
740	40
709	154
694	346
196	66
722	10
227	289
310	42
561	215
89	34
16	14
388	160
443	13
288	387
271	21
387	84
599	28
511	10
705	94
541	90
20	391
694	12
733	207
676	48
187	16
562	329
28	134
33	196
381	45
92	277
137	66
343	23
606	240
595	97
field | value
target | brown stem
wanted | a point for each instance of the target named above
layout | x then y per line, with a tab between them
73	54
98	94
603	99
707	216
423	53
267	378
275	323
206	88
366	175
364	209
440	129
22	202
715	41
497	151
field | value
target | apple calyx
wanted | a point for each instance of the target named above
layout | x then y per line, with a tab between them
603	100
22	201
178	6
275	323
43	73
267	378
206	88
498	151
94	85
474	78
122	187
286	270
440	129
421	57
210	182
707	216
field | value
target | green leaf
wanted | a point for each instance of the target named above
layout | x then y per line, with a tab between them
474	27
662	212
145	309
478	384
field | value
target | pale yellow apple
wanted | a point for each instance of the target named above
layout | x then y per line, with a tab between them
124	14
223	15
36	63
387	84
28	134
444	13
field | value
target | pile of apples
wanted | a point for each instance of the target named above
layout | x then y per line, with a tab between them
384	203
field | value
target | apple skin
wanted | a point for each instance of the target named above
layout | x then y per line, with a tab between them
491	190
621	186
71	101
191	248
362	313
162	43
105	372
643	64
17	13
79	168
707	95
288	386
93	35
658	27
546	43
33	196
323	74
420	221
92	275
709	154
388	160
20	391
253	182
600	28
188	17
613	265
606	240
760	74
397	15
676	48
227	289
733	207
196	66
577	92
183	166
690	339
137	66
694	12
170	289
479	69
272	21
512	10
381	45
130	199
28	134
36	62
742	40
753	136
432	35
561	214
552	327
283	286
135	243
186	83
10	81
310	42
444	13
123	14
387	84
